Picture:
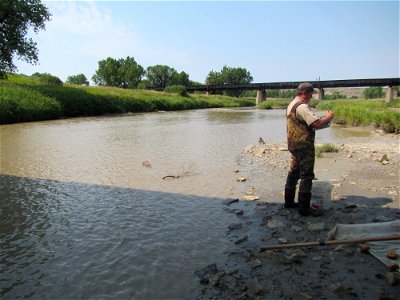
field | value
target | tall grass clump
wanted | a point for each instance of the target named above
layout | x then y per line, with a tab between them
275	103
325	148
364	112
177	89
23	105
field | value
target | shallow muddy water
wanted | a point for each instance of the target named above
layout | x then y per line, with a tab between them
85	211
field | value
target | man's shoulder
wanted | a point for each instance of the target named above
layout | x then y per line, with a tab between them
295	101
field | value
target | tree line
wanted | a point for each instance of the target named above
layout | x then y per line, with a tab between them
127	73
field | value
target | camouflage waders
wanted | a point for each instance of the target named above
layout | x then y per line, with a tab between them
301	145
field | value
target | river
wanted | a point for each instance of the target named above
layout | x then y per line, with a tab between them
87	212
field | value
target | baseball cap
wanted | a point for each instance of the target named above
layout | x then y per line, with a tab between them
305	87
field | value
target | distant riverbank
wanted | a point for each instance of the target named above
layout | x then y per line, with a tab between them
24	99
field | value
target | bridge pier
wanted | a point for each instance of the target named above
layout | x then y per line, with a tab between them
389	94
321	94
261	96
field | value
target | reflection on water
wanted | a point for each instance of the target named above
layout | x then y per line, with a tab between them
71	240
81	217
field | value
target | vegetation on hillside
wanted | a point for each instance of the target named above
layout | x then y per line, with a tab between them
25	98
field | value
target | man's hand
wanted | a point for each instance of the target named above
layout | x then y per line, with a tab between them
322	121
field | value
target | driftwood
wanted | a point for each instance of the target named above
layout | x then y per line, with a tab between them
333	242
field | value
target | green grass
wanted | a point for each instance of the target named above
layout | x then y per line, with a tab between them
325	148
21	105
274	103
365	112
24	99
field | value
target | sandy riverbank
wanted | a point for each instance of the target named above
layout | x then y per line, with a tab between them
364	175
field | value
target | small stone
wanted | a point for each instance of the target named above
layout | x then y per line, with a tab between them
243	296
208	270
296	228
383	158
240	213
229	202
235	226
364	248
255	287
316	226
255	263
340	248
282	241
214	280
241	240
241	179
301	296
338	289
251	197
275	224
393	278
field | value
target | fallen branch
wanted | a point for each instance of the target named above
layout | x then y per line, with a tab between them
172	176
333	242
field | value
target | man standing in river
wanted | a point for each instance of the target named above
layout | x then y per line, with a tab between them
301	123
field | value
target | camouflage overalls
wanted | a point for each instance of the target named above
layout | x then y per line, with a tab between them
301	145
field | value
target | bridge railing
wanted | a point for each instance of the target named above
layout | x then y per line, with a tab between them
293	85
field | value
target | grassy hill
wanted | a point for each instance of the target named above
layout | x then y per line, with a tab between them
24	98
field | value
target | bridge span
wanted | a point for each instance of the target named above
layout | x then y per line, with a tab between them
319	84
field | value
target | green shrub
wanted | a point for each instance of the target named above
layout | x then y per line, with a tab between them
265	105
274	103
373	92
48	79
177	89
325	148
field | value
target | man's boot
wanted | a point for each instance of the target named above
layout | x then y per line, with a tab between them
304	205
289	198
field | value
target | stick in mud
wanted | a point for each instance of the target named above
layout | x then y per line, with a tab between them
328	243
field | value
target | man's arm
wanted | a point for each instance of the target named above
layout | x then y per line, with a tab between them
322	121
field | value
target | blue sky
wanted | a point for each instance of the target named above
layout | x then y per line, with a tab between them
273	40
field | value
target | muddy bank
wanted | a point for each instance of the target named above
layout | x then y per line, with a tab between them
364	175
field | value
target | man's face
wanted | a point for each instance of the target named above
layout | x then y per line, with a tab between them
307	96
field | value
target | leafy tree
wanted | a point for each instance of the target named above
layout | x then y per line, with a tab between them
78	79
16	17
124	73
131	72
230	75
181	78
161	76
214	78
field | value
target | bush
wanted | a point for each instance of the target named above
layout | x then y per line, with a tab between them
325	148
335	95
177	89
373	92
48	79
